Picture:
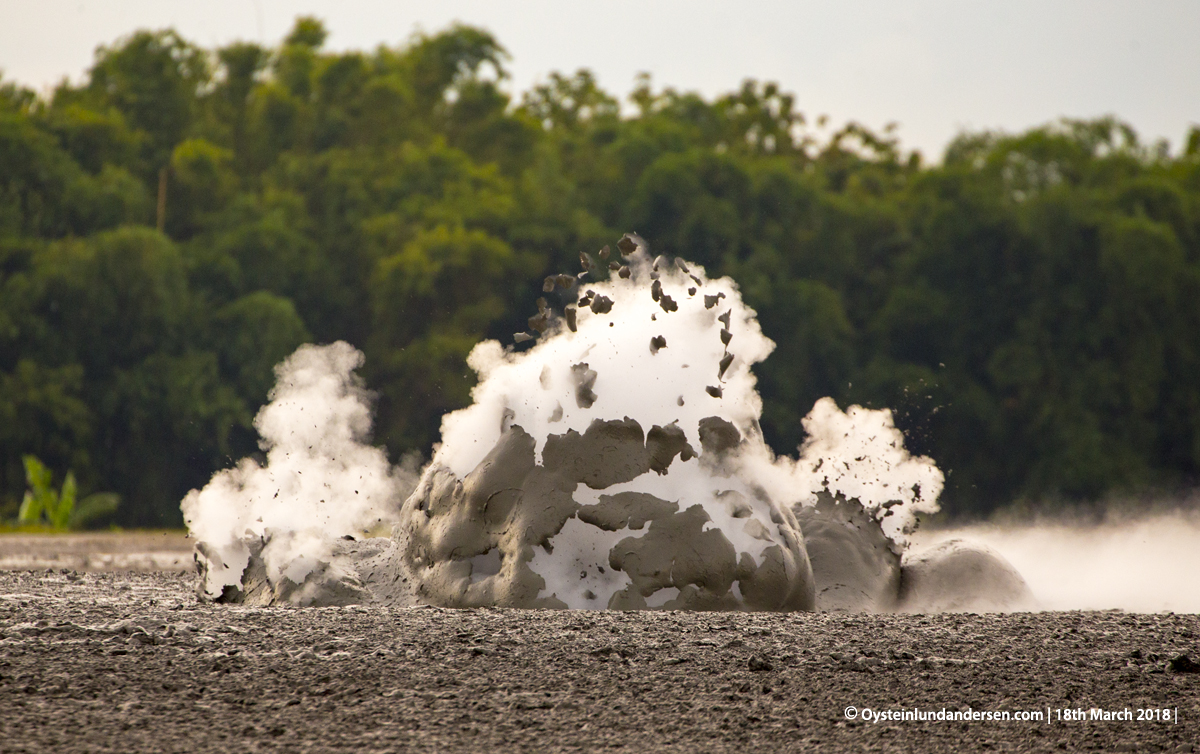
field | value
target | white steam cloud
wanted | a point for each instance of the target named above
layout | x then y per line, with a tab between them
669	348
858	453
662	386
321	480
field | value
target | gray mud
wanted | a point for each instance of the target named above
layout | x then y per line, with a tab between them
98	551
470	542
131	662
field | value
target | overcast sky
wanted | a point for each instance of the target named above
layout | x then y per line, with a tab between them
934	66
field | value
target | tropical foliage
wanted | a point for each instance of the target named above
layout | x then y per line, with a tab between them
43	506
174	225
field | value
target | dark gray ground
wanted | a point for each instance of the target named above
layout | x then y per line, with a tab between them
131	662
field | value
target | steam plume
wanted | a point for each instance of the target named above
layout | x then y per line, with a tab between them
321	480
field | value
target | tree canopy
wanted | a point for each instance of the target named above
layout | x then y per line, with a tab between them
177	223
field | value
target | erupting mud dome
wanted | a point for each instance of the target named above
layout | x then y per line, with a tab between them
285	521
617	463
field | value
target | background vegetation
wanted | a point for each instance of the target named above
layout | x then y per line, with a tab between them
180	221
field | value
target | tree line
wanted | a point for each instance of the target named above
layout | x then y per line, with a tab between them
179	221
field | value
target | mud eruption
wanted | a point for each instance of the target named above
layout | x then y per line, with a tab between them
320	483
617	463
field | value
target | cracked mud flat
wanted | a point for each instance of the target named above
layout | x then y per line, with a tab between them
131	662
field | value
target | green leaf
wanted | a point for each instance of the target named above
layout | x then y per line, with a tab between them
60	514
38	477
31	510
40	498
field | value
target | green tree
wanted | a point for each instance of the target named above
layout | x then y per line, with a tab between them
1025	305
433	301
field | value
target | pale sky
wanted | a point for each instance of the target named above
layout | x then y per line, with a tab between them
936	67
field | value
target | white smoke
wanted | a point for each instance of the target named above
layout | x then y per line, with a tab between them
321	480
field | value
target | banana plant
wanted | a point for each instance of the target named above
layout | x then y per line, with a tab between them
59	509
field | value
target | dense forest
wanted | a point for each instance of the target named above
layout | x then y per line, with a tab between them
182	219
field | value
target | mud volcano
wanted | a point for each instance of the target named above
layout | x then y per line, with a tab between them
526	534
615	463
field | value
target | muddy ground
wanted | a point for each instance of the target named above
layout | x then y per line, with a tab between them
98	551
129	662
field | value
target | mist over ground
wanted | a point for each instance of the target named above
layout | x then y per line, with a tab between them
1121	559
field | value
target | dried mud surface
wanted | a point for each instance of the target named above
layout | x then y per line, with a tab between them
131	662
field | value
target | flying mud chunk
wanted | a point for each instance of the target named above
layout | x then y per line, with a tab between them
626	510
718	436
677	550
657	343
585	380
726	360
600	304
541	320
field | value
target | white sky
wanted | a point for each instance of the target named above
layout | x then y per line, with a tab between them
934	66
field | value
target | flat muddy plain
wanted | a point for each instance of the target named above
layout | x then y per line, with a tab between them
128	661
